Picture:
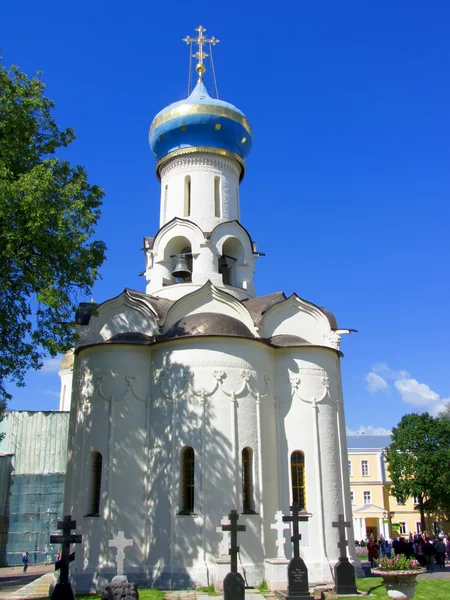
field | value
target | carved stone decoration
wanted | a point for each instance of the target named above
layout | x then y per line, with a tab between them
296	381
248	387
97	390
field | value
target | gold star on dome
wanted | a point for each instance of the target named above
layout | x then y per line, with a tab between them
244	139
183	127
217	126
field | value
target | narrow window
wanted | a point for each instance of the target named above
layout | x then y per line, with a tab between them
187	473
403	529
238	208
217	197
247	480
298	478
96	485
187	196
350	468
164	211
367	497
352	497
365	468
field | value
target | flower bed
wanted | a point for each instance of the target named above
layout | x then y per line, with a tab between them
397	564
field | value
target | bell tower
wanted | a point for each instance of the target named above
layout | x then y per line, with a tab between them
200	144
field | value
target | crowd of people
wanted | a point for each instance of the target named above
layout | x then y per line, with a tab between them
426	550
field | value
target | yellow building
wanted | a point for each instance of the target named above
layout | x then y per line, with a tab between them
374	510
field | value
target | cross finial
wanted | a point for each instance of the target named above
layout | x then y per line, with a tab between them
200	55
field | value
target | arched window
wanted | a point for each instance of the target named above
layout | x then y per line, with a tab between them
298	478
95	485
247	481
187	481
238	205
217	207
187	196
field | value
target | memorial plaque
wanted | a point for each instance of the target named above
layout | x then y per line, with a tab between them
233	587
298	579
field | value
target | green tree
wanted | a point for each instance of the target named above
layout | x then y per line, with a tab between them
419	462
48	211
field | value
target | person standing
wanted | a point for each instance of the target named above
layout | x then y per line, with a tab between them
439	546
25	560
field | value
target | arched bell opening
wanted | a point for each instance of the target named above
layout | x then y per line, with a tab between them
178	257
233	256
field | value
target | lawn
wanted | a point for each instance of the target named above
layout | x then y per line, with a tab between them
144	594
428	589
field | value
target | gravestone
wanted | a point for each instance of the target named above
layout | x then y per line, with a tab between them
120	589
120	543
344	571
225	543
298	587
279	526
63	589
233	584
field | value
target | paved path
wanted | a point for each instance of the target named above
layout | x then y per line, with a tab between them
13	578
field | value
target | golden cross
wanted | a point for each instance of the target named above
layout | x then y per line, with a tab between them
200	55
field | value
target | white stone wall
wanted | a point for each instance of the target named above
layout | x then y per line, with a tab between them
139	406
202	169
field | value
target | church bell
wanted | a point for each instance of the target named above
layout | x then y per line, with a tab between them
181	270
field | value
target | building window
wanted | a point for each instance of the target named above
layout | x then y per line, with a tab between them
367	497
418	527
298	478
350	468
187	196
402	527
365	468
415	500
217	211
95	485
187	483
164	211
352	497
247	480
237	204
400	502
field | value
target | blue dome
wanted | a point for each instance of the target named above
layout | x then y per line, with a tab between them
200	122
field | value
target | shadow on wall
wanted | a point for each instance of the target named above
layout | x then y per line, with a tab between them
148	457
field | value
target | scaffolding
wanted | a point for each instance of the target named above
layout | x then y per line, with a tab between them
37	442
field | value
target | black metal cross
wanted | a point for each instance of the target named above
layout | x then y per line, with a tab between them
65	540
233	528
295	518
341	524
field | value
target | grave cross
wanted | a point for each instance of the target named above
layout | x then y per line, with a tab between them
279	527
65	540
233	528
120	543
225	543
341	524
295	519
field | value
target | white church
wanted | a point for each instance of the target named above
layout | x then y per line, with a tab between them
197	396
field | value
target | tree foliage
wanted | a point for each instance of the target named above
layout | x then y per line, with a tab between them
48	211
419	462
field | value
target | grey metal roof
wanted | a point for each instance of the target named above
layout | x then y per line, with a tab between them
208	324
259	305
287	340
368	442
131	337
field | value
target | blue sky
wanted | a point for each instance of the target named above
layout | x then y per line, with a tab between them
347	185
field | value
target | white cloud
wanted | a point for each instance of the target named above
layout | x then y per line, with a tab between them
369	430
51	365
375	383
418	395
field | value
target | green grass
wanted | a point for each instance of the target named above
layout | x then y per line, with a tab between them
263	587
144	594
208	590
428	589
